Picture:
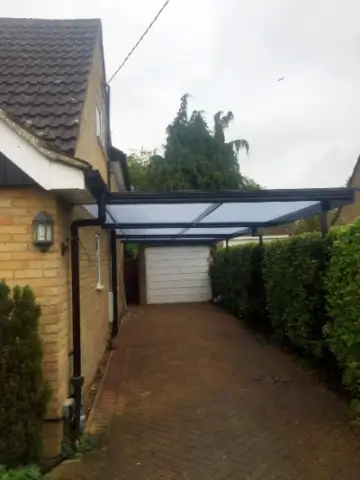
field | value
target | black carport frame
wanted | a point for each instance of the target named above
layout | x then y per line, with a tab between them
207	223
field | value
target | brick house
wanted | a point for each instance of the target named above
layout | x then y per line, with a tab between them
55	135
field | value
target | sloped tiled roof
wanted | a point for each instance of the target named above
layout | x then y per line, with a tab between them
44	69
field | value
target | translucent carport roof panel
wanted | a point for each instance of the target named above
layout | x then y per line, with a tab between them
150	213
126	232
259	212
217	231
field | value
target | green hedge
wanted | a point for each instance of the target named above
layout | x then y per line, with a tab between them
343	304
23	392
294	271
236	277
311	286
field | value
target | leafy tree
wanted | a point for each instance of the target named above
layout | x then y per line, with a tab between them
138	168
195	157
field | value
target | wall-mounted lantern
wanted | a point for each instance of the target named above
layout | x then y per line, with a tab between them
43	230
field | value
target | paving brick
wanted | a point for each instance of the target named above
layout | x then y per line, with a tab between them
198	396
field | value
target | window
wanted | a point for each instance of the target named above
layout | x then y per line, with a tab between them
98	262
100	123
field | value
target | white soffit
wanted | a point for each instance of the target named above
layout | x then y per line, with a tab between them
48	174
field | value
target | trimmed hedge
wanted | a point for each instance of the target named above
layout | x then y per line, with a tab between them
23	391
343	304
294	271
236	278
307	288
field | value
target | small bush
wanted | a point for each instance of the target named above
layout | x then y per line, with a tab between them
236	276
343	305
22	473
23	391
294	272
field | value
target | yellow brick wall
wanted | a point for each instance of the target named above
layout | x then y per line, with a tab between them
21	263
89	147
349	213
113	184
49	275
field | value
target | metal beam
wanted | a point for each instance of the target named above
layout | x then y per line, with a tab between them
342	195
187	225
170	242
170	237
200	217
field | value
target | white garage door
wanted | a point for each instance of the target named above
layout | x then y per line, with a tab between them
177	274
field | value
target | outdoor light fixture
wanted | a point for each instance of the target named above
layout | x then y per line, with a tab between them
43	229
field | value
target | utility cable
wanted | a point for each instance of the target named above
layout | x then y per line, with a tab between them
139	41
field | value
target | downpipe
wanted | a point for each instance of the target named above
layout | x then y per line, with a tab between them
77	379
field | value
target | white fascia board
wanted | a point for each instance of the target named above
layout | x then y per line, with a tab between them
49	174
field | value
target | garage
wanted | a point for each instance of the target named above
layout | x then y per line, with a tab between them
177	274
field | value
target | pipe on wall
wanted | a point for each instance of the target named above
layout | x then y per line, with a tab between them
77	379
114	284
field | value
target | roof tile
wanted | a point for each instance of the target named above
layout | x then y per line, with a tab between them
44	69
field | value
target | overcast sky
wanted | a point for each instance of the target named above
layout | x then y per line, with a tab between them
303	131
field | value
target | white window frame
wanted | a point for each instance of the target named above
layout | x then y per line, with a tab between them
99	285
100	122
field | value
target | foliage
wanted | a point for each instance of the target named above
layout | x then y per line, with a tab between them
22	473
308	225
236	277
343	304
195	157
23	391
287	284
138	164
72	447
294	272
131	250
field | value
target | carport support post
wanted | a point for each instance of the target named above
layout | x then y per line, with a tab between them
324	222
227	246
261	240
114	284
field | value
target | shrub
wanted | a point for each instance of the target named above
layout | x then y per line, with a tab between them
294	279
22	473
343	304
23	392
236	276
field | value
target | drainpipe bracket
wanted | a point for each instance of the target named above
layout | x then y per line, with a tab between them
77	382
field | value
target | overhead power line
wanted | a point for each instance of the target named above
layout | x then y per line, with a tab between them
139	41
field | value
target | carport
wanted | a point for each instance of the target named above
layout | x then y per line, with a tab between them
205	217
176	230
188	218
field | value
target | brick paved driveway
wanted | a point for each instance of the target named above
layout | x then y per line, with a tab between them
195	395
